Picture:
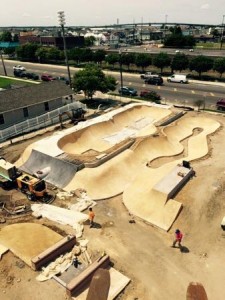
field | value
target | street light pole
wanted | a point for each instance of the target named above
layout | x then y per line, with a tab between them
62	22
121	70
3	63
222	30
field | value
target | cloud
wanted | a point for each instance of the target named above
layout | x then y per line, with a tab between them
205	6
26	15
47	17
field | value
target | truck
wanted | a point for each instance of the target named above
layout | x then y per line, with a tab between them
33	187
220	104
180	78
147	75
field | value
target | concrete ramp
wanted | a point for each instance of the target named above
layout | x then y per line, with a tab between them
60	172
142	185
136	121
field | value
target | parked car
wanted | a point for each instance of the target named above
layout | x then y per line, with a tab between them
127	91
65	79
220	104
177	78
147	75
46	77
150	95
18	73
32	76
19	68
156	80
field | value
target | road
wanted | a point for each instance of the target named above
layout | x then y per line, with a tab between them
185	94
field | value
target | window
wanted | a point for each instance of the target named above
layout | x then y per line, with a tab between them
2	121
25	112
46	106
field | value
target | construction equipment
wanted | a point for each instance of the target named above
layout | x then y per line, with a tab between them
34	188
76	115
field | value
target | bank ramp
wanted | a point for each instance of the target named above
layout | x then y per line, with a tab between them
55	171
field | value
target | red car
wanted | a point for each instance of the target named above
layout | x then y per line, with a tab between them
45	77
150	95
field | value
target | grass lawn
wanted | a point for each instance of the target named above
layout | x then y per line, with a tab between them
6	82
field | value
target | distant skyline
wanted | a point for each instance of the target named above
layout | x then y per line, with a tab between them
99	12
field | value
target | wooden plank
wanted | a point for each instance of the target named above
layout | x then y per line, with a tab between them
100	284
196	291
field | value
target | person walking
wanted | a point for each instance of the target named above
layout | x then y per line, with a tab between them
178	238
91	217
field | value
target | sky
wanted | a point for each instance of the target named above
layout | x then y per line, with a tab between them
106	12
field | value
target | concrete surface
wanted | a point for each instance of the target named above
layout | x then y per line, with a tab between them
60	172
132	172
27	240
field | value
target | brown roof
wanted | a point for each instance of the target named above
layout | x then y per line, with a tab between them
29	95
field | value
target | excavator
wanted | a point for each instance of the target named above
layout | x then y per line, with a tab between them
34	187
76	115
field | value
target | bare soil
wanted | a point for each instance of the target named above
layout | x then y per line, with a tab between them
138	250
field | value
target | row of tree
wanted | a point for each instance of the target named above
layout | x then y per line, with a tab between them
179	62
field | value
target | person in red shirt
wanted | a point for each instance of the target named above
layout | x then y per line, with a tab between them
178	238
91	217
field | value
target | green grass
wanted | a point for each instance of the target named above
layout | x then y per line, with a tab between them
209	45
6	82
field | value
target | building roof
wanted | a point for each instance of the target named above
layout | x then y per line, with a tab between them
29	95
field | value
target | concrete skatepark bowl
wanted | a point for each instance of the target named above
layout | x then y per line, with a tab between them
136	171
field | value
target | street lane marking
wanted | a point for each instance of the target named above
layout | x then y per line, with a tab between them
193	92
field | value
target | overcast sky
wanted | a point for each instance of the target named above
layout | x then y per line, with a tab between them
104	12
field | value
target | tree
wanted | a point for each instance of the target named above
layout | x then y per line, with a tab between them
75	54
55	54
215	32
86	55
201	64
6	36
27	51
92	79
98	56
180	62
143	60
127	59
89	41
219	66
41	54
161	61
176	39
112	58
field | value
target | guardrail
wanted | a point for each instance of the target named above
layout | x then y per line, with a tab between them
37	123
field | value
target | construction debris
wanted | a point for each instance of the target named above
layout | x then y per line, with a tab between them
62	216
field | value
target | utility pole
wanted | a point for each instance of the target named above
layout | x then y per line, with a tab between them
62	23
222	31
3	63
121	71
141	27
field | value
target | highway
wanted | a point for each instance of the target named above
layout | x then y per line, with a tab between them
185	94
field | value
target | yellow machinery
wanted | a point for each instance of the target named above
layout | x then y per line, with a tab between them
35	188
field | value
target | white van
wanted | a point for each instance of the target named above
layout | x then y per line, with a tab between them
178	78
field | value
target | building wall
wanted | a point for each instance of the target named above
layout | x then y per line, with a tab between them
71	42
17	115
